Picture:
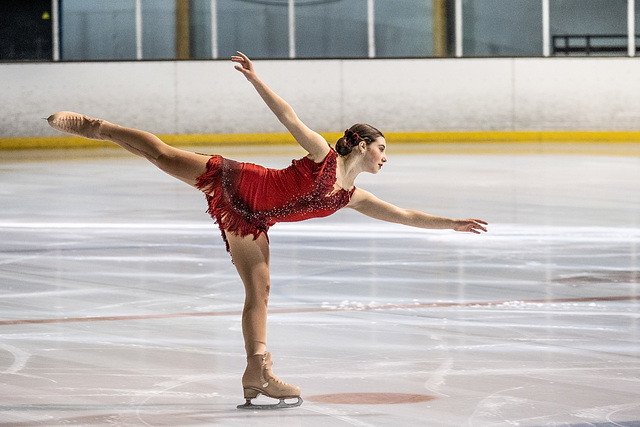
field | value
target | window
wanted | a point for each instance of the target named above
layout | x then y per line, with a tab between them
589	26
158	29
201	16
93	29
25	30
331	28
502	27
403	28
258	28
152	29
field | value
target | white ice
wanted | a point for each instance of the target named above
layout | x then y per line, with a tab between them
120	306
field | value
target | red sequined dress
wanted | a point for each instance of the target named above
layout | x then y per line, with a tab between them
245	198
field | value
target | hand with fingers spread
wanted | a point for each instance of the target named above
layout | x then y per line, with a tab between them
245	66
470	225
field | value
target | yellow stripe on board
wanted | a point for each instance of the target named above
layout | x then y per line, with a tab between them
71	142
413	138
517	136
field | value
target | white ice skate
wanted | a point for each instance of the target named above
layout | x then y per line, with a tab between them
259	379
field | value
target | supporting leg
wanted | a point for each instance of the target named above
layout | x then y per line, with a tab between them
251	258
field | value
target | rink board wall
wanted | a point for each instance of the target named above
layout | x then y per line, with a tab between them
408	95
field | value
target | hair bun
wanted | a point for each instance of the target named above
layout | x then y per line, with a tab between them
351	137
354	135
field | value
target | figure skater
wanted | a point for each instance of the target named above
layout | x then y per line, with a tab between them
246	199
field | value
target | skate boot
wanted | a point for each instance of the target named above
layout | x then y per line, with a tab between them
259	379
75	124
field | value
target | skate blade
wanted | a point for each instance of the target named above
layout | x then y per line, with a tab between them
280	405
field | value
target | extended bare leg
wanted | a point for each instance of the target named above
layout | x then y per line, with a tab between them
181	164
251	258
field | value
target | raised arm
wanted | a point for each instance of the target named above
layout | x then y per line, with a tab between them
311	141
368	204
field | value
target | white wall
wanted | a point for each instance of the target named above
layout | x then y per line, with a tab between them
329	95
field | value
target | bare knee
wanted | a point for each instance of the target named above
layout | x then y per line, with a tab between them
256	297
251	257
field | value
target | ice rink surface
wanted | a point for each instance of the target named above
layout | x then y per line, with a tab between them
120	306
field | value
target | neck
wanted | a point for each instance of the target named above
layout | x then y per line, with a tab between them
347	170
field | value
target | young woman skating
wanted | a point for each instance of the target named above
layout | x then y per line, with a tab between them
246	199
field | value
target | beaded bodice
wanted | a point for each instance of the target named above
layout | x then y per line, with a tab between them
248	199
303	190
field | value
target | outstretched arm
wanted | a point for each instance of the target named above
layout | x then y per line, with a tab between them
315	144
368	204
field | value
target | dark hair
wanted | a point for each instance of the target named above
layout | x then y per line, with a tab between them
355	134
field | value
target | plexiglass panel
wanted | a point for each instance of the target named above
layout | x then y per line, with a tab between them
94	29
331	28
587	27
404	28
106	30
158	29
200	28
637	24
258	28
502	28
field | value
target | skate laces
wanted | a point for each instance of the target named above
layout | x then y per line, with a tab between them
83	125
267	373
